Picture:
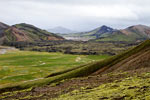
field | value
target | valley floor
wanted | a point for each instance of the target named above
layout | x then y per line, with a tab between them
23	66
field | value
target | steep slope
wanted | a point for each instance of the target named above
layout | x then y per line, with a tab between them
133	33
25	32
136	61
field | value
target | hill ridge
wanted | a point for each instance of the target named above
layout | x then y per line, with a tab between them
25	32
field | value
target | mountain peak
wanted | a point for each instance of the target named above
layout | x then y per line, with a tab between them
103	29
106	28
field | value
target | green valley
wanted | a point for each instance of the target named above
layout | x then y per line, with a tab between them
17	66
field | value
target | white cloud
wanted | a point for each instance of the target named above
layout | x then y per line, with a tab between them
115	11
75	14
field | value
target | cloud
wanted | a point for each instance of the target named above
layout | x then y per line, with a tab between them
76	14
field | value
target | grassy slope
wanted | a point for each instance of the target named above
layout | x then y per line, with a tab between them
115	37
122	37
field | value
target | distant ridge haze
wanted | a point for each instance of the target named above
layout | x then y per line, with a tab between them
61	30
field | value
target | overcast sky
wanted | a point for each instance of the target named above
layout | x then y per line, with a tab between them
77	15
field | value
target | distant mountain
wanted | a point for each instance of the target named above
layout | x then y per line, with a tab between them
61	30
105	33
25	32
98	32
94	34
132	33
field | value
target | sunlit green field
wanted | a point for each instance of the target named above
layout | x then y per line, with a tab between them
19	66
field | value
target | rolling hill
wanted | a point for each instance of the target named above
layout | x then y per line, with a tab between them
25	32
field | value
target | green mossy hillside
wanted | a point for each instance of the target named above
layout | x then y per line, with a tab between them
131	88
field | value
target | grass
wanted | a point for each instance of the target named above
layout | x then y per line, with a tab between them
135	88
20	66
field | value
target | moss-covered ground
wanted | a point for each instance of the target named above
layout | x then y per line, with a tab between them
131	88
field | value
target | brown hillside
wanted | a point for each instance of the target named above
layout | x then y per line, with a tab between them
17	35
25	32
137	61
139	29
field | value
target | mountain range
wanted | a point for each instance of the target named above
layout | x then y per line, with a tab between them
132	33
25	32
61	30
105	33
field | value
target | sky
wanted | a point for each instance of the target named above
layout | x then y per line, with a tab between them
78	15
